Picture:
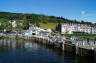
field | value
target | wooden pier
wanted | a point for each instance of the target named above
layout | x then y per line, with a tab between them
76	48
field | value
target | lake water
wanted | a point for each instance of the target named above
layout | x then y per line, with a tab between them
23	51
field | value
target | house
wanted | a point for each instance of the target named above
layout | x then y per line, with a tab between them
16	23
13	22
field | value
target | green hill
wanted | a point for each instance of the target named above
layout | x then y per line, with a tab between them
38	19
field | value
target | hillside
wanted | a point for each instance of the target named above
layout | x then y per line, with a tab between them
38	19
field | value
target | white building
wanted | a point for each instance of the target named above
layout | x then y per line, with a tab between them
14	23
34	30
73	28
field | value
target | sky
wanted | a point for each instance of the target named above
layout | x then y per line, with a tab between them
70	9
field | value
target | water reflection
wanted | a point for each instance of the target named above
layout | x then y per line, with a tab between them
13	43
73	58
23	51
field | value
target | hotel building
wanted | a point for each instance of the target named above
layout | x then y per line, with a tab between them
76	28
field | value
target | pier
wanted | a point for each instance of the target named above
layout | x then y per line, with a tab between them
83	48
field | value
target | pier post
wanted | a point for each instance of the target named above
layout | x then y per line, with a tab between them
70	48
63	45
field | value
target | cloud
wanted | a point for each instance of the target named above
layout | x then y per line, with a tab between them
83	12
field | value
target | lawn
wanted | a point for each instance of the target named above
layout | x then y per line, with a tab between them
88	37
48	25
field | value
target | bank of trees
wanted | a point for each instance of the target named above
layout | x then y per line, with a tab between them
4	24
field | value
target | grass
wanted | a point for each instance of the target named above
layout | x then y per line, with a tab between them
48	25
84	36
81	36
88	37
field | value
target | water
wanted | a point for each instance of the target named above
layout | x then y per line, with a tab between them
22	51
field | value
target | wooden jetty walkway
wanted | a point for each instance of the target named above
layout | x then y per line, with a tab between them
78	47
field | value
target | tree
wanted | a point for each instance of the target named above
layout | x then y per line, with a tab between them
25	24
5	24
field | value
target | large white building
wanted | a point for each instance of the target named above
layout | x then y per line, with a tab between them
76	28
16	23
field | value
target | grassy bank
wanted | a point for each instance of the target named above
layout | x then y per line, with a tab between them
88	37
48	25
81	36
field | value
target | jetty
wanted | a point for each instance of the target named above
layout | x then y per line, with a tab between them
79	47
